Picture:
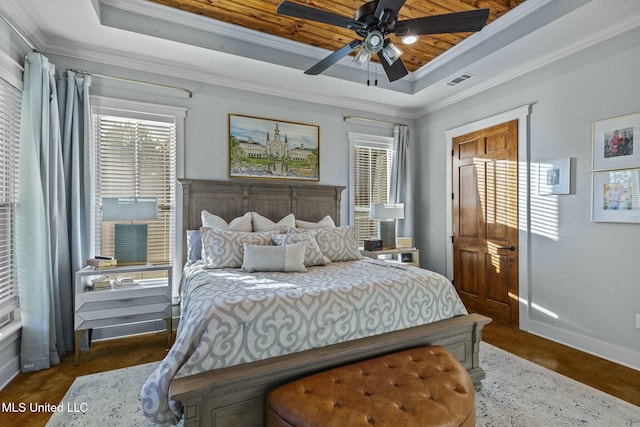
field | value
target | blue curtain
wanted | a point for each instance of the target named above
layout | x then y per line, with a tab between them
45	223
400	190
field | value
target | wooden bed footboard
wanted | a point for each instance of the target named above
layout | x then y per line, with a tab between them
235	396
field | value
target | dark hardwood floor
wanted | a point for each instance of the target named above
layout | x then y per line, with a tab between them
50	386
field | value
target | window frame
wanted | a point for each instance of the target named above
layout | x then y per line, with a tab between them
154	112
371	141
11	74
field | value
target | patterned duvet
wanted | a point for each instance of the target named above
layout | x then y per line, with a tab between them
229	317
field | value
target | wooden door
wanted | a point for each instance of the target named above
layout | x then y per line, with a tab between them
485	221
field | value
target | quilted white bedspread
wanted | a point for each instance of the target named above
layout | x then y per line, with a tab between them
229	317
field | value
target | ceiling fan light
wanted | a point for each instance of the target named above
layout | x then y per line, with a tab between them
362	57
391	53
409	39
374	42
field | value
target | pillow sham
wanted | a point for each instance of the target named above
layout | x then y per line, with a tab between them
224	248
338	244
261	223
288	258
312	254
326	222
242	223
194	246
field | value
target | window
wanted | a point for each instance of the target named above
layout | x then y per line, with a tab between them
371	158
10	100
136	152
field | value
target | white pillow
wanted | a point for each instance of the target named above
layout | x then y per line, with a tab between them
242	223
288	258
224	248
261	223
312	254
338	244
326	222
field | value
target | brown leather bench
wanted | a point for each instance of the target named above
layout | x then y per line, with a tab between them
421	387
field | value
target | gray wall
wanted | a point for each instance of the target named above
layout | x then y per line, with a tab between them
584	272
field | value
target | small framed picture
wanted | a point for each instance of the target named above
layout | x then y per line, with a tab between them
616	196
554	176
613	143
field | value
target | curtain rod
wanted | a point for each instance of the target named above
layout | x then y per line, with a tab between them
365	119
142	82
15	29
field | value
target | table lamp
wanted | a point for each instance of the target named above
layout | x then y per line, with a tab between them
387	214
130	240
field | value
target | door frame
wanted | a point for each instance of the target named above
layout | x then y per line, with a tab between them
521	114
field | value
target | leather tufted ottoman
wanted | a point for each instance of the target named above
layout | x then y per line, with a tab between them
421	387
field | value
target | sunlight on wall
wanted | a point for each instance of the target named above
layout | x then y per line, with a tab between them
536	307
545	211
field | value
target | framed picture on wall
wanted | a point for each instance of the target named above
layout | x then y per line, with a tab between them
613	142
273	149
554	176
616	196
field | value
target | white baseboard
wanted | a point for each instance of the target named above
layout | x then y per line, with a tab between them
611	352
9	355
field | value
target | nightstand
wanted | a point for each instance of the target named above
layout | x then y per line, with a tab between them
405	256
147	298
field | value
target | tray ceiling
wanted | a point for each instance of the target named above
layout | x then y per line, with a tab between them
260	15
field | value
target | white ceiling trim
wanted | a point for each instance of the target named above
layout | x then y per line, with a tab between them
168	69
596	37
507	20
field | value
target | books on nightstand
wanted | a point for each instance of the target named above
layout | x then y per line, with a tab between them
100	282
102	262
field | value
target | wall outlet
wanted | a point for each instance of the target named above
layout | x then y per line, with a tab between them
638	321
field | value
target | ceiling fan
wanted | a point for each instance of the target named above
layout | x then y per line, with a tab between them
376	19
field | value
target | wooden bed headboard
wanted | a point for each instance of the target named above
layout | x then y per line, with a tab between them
274	200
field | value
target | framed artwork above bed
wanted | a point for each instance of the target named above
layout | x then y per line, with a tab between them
273	149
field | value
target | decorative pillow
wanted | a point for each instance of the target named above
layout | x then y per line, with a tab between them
288	258
338	244
326	222
224	248
194	246
261	223
312	254
242	223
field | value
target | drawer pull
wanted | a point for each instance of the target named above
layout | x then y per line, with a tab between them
125	317
125	299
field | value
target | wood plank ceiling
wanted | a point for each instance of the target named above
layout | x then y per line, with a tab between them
261	15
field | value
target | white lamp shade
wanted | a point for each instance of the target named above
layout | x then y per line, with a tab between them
128	209
384	211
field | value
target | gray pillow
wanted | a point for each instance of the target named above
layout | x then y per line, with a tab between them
287	258
194	246
312	254
338	244
224	248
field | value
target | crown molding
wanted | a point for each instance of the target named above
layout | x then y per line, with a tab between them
176	70
606	32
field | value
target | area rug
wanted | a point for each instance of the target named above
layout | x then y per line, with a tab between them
516	393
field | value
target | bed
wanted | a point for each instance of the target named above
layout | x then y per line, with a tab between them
225	361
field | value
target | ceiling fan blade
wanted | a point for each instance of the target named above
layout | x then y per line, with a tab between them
334	57
395	71
457	22
305	12
393	5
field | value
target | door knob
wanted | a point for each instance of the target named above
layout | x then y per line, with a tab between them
511	248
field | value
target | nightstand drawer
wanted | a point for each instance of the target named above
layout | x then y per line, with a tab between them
124	314
120	302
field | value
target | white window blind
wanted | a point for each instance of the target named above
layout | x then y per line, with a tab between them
10	101
371	175
136	158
